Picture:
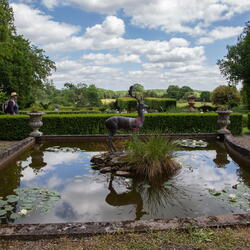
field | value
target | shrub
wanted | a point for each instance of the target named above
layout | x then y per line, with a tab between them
226	95
152	158
248	120
16	127
207	108
161	104
127	103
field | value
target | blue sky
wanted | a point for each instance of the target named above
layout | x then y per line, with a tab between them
114	44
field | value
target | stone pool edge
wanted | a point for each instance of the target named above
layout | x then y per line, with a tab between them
14	150
237	150
75	229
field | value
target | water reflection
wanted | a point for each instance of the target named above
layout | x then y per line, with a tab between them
131	197
221	159
37	158
88	195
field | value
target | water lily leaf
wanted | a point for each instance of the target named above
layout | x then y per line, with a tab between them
3	212
15	216
3	203
8	208
12	198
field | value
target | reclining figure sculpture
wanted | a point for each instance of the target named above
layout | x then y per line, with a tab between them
115	123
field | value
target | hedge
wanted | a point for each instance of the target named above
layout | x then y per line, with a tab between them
16	127
161	104
248	120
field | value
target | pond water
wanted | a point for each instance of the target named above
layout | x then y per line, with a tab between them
209	183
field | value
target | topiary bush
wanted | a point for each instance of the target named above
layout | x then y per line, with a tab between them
16	127
226	96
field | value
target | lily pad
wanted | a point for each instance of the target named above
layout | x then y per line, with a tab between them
12	198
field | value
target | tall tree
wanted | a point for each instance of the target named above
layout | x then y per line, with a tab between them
236	64
23	67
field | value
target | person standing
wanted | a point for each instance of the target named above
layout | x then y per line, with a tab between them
12	106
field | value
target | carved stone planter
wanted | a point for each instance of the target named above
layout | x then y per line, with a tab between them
191	103
35	123
223	121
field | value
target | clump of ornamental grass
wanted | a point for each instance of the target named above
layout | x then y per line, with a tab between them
152	158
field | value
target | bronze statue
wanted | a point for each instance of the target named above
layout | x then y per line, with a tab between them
115	123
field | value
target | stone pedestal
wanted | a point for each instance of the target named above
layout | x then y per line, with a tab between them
223	121
35	123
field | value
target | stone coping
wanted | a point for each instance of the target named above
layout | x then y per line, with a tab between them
75	229
11	152
98	137
237	150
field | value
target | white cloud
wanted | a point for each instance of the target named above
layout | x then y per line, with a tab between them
154	63
50	4
220	33
100	59
171	16
40	28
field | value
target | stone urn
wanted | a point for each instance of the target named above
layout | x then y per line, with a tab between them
35	123
223	121
191	103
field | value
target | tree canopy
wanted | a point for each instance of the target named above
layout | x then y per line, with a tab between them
23	67
236	64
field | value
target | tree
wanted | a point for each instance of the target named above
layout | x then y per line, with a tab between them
184	92
173	92
23	67
138	87
235	67
226	95
205	96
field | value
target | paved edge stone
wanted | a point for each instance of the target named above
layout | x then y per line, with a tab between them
14	150
41	231
239	150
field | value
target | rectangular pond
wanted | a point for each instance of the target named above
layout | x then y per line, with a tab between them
54	182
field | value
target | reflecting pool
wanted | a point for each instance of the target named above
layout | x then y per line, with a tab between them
209	183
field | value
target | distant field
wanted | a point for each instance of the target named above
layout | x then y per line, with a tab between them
197	104
107	101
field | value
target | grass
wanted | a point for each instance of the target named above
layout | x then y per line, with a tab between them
197	104
152	158
220	238
246	131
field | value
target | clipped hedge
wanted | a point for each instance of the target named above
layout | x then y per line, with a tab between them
161	104
248	120
16	127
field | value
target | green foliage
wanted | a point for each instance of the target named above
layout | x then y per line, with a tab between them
205	96
152	158
29	199
235	67
248	120
23	67
138	87
174	91
3	98
161	104
226	95
16	127
127	103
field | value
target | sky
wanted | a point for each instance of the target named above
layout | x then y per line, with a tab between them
114	44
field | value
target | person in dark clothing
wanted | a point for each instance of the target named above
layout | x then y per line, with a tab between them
12	108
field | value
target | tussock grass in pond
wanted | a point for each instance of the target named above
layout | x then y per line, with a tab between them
152	158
